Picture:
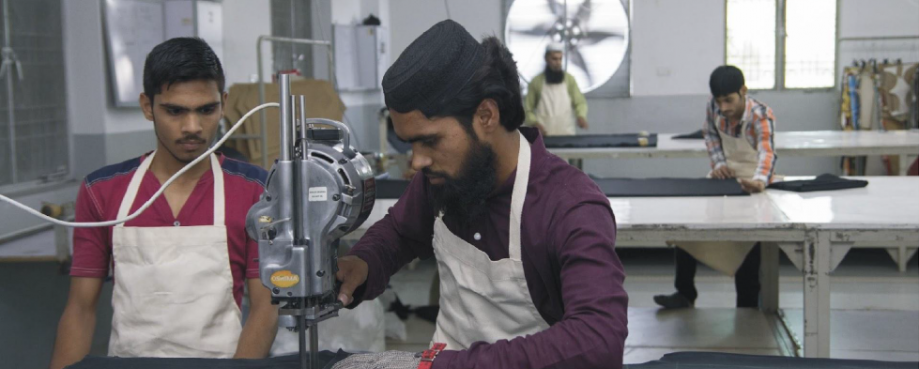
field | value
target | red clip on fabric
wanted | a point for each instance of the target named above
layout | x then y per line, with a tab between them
427	357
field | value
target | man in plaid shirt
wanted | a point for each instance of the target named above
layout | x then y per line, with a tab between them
739	136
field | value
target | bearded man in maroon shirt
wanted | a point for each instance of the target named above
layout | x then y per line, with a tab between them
524	242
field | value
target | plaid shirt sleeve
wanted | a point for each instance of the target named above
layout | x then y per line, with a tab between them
712	137
762	129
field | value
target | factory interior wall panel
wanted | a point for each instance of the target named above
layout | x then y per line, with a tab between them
16	220
321	27
126	145
365	126
864	18
482	18
31	309
675	46
243	22
362	115
90	154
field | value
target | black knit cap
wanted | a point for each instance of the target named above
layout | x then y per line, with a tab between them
433	69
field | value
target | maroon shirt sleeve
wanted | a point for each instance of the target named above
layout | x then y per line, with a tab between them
406	232
92	247
592	331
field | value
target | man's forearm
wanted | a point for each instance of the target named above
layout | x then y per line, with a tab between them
258	334
74	336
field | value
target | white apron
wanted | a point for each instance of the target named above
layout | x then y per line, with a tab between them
481	299
554	110
726	257
173	296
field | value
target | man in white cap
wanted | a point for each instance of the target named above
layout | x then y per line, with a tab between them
554	103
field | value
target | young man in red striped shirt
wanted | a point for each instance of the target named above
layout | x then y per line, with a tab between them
180	267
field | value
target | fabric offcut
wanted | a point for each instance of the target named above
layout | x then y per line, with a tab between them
620	187
614	140
697	135
823	182
717	360
327	359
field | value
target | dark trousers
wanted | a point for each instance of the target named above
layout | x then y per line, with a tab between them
746	281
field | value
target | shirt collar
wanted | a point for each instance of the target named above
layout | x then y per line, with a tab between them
537	153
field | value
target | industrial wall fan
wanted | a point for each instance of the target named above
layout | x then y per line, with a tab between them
594	32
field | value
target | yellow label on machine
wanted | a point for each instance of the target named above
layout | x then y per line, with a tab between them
284	279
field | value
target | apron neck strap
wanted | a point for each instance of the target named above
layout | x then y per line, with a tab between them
219	194
518	196
131	194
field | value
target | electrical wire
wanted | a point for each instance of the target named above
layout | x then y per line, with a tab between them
146	205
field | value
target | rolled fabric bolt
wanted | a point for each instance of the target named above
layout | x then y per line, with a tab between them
642	141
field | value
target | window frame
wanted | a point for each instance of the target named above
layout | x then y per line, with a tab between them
48	181
780	35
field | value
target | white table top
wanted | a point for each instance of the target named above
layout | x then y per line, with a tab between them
661	219
707	212
887	203
796	143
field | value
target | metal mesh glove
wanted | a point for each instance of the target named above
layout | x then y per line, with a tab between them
383	360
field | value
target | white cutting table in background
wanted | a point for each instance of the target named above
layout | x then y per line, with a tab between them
884	214
794	143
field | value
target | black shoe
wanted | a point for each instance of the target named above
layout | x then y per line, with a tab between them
674	301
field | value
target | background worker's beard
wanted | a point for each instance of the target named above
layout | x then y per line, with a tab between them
553	76
463	198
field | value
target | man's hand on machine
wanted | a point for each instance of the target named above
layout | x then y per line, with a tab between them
352	273
383	360
752	185
722	172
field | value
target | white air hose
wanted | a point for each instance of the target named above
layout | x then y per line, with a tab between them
155	196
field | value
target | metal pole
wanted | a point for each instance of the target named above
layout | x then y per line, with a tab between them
780	46
304	363
565	34
880	38
263	126
285	123
304	144
261	81
314	346
11	115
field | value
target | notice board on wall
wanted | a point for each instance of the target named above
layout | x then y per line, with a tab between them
132	29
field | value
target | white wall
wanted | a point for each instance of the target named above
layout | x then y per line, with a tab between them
675	45
90	110
89	105
864	18
410	18
872	18
243	22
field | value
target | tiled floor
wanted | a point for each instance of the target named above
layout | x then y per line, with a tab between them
875	310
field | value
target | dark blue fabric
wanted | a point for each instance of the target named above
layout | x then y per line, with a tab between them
823	182
584	141
717	360
619	187
327	359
